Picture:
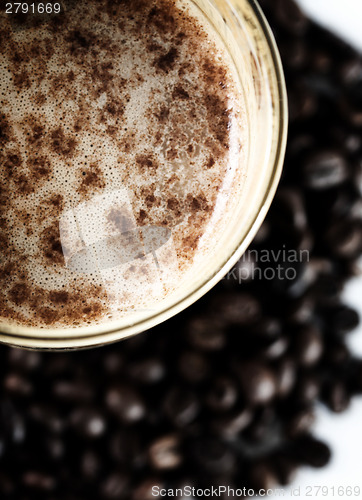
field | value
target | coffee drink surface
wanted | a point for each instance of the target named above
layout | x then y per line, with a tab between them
122	150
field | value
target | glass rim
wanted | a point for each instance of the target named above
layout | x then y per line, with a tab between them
82	337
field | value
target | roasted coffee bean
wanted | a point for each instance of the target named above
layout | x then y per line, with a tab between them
165	453
24	360
335	396
311	451
15	384
115	486
345	238
236	308
181	406
284	466
258	383
55	448
90	465
88	422
307	388
231	424
47	417
206	333
147	371
290	17
324	170
300	422
308	345
124	402
145	490
212	455
341	319
262	476
193	367
38	481
285	377
72	392
222	394
336	353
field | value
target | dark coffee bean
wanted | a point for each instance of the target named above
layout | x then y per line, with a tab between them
301	311
263	234
290	17
335	396
258	382
231	424
48	417
206	333
55	448
124	402
7	486
354	377
24	360
165	453
294	54
115	486
12	423
90	465
17	385
308	345
336	353
222	394
341	319
181	406
193	367
263	427
145	489
38	481
345	238
310	451
212	455
72	391
324	170
148	371
300	422
302	103
268	328
238	309
285	376
88	422
284	466
262	476
276	348
307	388
289	210
113	362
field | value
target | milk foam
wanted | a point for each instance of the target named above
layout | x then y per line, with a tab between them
122	127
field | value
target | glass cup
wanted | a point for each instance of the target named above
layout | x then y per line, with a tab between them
244	31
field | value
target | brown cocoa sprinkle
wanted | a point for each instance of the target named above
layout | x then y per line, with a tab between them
51	245
61	144
180	93
59	297
167	61
146	162
19	293
92	179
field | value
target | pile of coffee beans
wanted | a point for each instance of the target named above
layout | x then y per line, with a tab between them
225	393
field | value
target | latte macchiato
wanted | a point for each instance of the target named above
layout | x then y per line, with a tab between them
122	149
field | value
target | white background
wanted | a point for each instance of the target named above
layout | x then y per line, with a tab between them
342	432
